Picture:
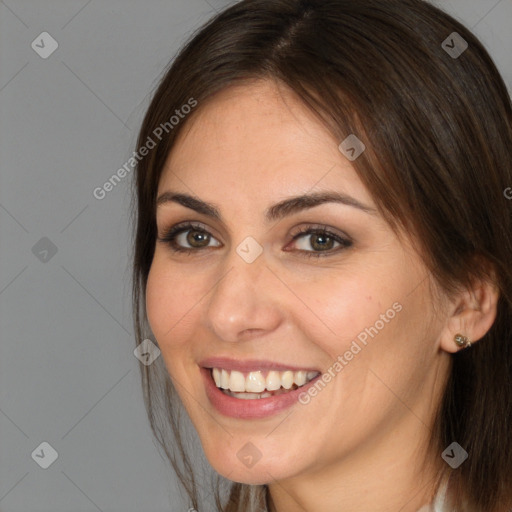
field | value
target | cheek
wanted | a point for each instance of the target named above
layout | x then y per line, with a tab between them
341	306
170	299
366	320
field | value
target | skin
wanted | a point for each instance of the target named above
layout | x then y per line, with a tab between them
360	443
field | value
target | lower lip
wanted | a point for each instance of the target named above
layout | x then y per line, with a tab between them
250	409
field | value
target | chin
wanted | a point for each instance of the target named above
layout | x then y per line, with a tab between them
248	464
257	475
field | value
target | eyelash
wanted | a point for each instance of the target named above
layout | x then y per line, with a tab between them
169	237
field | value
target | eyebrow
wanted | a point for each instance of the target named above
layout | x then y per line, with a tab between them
274	212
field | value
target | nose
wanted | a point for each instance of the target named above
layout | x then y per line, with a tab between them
244	304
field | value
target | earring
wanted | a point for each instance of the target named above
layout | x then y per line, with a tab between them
462	341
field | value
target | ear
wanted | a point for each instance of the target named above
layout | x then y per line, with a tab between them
471	313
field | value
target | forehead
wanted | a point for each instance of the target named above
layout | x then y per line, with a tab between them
255	139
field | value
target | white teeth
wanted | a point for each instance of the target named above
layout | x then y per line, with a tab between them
255	383
237	383
273	381
216	377
250	396
246	396
311	375
300	378
224	379
287	379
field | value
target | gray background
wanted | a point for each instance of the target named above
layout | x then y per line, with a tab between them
68	375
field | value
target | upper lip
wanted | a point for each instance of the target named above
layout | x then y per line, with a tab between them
249	365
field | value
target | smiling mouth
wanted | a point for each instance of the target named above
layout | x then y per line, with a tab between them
259	384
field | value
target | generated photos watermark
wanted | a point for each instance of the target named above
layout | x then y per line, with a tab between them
354	349
101	192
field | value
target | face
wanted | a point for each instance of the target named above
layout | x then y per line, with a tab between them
325	294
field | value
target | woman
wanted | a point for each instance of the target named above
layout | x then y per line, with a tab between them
322	254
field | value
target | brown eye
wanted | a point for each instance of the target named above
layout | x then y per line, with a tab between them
321	241
178	237
197	237
190	238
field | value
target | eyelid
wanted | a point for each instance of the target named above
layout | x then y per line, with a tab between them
345	241
301	229
184	226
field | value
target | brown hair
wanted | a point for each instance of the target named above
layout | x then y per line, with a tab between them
438	133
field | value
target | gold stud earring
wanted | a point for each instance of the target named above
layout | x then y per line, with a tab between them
462	341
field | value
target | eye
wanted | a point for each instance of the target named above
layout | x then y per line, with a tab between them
197	237
321	240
